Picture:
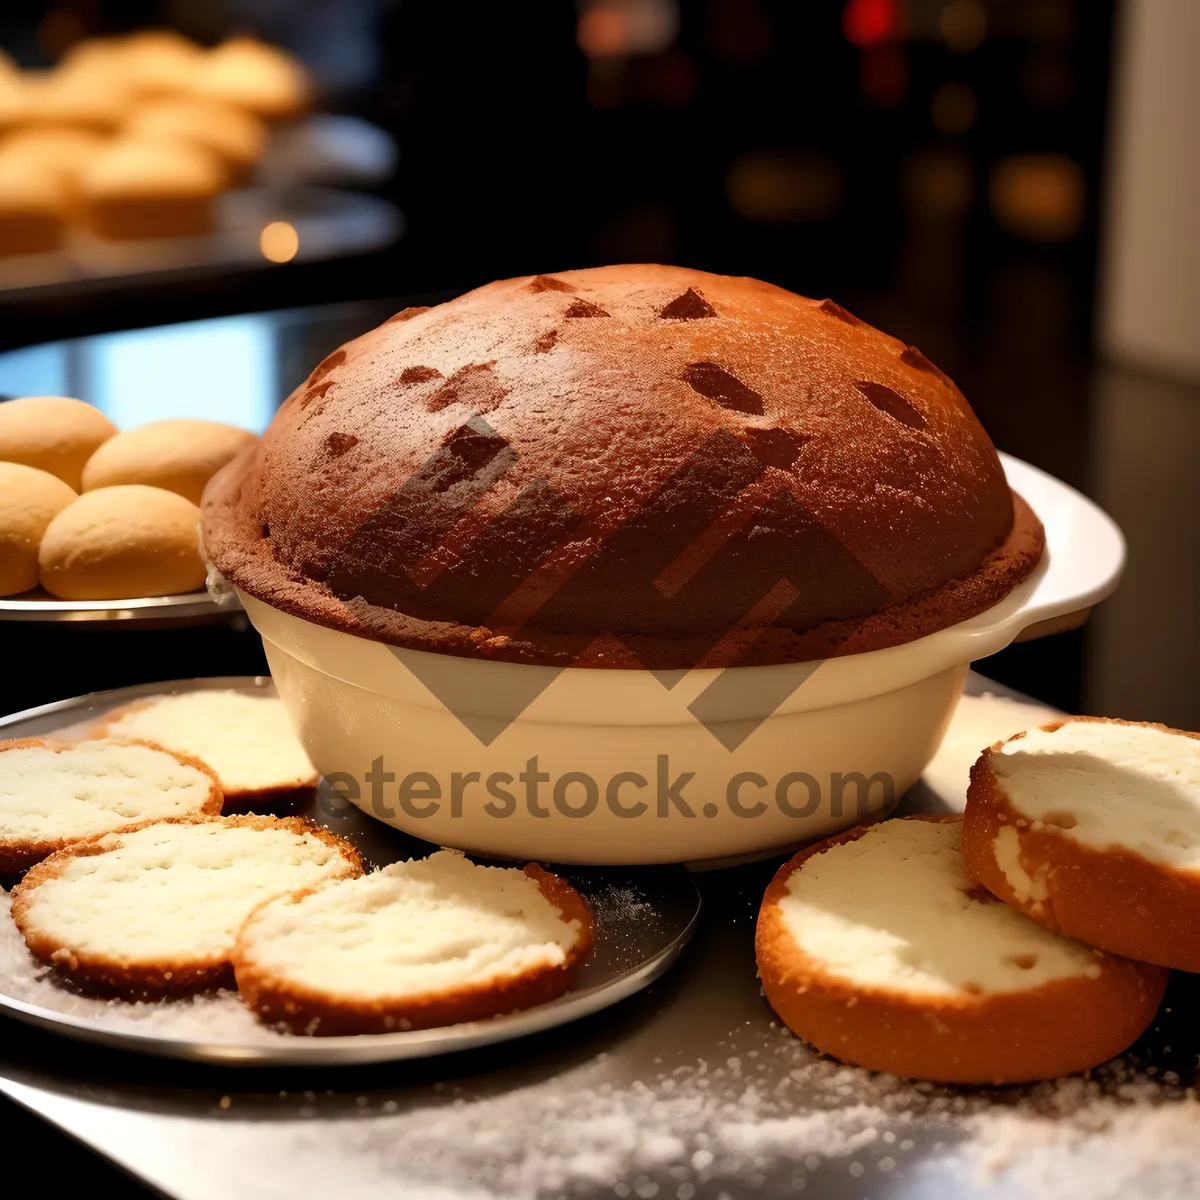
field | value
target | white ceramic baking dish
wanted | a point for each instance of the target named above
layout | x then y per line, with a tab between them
625	773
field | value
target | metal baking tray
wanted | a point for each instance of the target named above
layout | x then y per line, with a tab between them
644	918
188	607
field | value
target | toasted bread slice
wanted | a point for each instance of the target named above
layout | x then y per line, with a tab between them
1092	828
154	910
247	740
876	947
422	943
54	793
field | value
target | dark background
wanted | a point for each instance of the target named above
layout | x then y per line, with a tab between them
937	166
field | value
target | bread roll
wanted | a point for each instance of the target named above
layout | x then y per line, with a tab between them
35	203
53	433
67	151
178	455
148	188
119	543
875	947
14	101
52	794
1092	828
77	99
29	500
154	910
160	62
261	79
235	136
422	943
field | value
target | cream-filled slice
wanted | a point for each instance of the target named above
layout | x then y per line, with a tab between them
171	892
51	793
1107	785
412	929
895	909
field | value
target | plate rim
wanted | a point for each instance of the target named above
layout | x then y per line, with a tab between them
184	604
340	1050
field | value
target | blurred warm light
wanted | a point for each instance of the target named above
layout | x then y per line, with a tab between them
953	109
883	75
603	31
620	28
784	186
279	242
869	22
939	184
963	25
1040	197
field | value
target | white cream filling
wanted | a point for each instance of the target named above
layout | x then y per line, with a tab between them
411	929
175	891
1106	785
51	792
896	909
247	740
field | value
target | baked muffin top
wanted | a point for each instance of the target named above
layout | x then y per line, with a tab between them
631	466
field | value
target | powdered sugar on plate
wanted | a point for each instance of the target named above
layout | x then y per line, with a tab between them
220	1017
766	1116
761	1114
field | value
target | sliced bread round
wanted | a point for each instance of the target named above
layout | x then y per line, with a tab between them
1092	828
428	942
54	793
248	740
877	948
154	910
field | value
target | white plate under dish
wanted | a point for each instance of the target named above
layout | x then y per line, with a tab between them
784	753
644	918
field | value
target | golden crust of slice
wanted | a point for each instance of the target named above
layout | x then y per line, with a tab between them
1061	1027
102	975
1115	898
19	854
292	785
278	1001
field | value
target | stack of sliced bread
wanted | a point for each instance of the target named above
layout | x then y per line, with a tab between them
1029	938
137	887
155	909
54	794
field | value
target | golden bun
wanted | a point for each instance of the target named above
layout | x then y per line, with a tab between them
53	433
35	203
235	136
29	500
145	188
256	77
120	543
178	455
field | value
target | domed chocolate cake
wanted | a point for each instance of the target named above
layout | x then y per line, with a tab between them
635	466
